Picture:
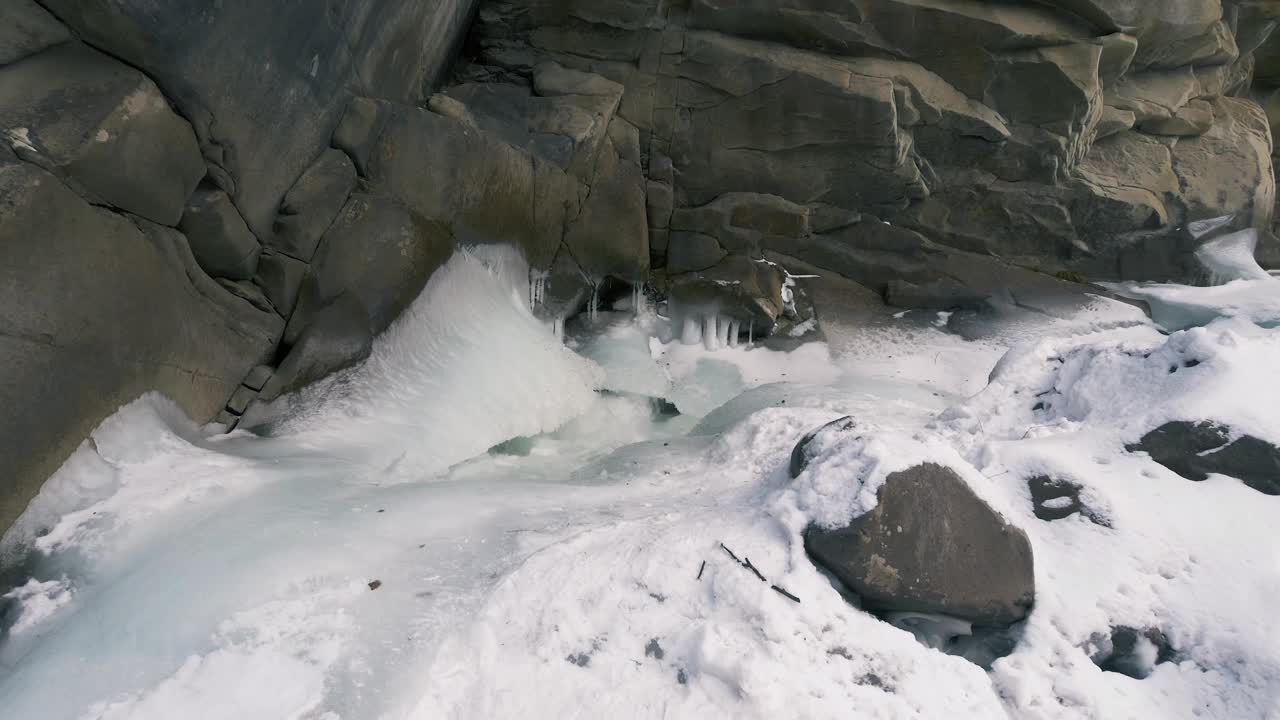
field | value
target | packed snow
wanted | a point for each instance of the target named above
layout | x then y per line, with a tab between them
482	522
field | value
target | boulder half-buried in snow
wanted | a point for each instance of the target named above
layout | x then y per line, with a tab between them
931	546
1196	450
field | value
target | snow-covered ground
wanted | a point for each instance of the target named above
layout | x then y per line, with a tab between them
371	560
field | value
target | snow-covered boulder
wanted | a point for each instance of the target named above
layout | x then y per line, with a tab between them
1196	450
931	545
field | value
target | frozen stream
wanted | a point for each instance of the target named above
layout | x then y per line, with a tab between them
371	559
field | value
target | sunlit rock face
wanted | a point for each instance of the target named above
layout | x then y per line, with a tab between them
1057	135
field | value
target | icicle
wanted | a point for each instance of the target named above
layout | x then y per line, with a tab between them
691	333
734	327
724	329
751	326
537	288
638	300
710	335
557	328
593	306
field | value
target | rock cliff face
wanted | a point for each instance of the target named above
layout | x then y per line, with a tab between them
1066	134
1264	20
223	204
165	181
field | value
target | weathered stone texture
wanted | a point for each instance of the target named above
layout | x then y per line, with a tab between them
99	309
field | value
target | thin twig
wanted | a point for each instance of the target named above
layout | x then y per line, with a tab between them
785	593
704	567
735	557
746	563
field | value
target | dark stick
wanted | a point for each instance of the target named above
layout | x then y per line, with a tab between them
735	557
747	564
704	567
784	592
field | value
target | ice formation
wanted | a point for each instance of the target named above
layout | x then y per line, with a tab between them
537	288
1239	286
711	329
467	366
1201	228
1178	307
1231	257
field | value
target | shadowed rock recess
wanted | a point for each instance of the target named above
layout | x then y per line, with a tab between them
193	199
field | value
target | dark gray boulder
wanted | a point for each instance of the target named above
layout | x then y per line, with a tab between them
103	127
337	336
221	242
1195	450
311	205
97	311
931	546
26	29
